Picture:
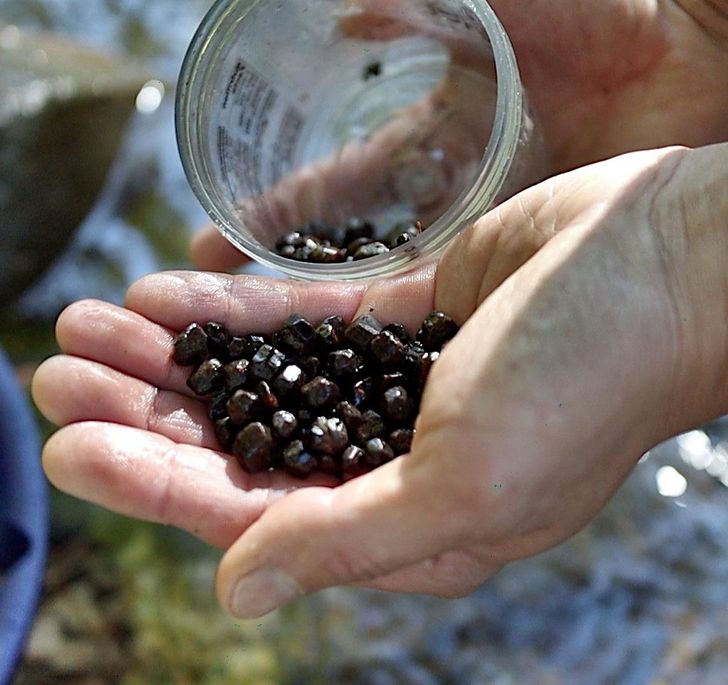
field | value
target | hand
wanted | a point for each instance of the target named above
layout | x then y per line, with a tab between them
598	74
603	78
595	328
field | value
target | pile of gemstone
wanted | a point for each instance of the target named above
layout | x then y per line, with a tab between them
319	243
330	397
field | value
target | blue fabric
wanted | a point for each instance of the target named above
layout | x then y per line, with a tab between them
23	520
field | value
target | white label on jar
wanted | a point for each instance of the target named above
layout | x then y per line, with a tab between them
258	134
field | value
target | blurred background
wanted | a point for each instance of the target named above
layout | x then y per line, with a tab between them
92	196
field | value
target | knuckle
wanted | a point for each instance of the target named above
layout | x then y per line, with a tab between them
459	573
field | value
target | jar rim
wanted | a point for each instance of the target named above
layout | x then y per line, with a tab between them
474	201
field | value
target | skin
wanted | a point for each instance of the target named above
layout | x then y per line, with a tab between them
612	77
594	327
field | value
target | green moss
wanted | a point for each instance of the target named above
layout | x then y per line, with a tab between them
180	634
137	40
26	341
165	229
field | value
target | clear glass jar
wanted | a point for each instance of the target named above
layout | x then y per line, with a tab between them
320	110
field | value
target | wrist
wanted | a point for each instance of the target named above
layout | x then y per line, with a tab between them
690	217
710	15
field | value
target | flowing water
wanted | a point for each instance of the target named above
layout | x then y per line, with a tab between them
638	598
146	211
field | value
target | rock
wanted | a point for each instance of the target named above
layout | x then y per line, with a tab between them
63	111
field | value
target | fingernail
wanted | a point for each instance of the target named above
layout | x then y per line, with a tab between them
261	592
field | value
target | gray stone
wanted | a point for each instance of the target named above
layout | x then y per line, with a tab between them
63	111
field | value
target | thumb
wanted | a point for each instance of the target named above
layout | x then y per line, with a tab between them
211	251
316	538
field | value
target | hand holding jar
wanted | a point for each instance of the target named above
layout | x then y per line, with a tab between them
594	327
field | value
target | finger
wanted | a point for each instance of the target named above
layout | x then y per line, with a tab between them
375	20
122	340
368	528
488	252
423	157
353	181
71	390
407	299
363	174
387	20
450	575
247	303
147	476
484	256
211	251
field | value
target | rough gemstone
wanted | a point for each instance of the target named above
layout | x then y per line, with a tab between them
319	242
355	245
298	335
331	332
292	239
356	229
400	440
288	383
362	331
284	424
388	350
267	363
218	339
371	250
225	432
328	436
253	448
328	464
236	374
208	378
401	239
305	416
303	253
361	392
372	426
237	347
397	404
345	364
355	414
378	452
267	396
321	392
287	251
253	343
413	361
389	380
353	462
244	406
402	233
297	460
326	254
399	331
350	415
190	346
218	407
427	363
311	365
436	330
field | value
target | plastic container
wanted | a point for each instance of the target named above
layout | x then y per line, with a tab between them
23	520
320	110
